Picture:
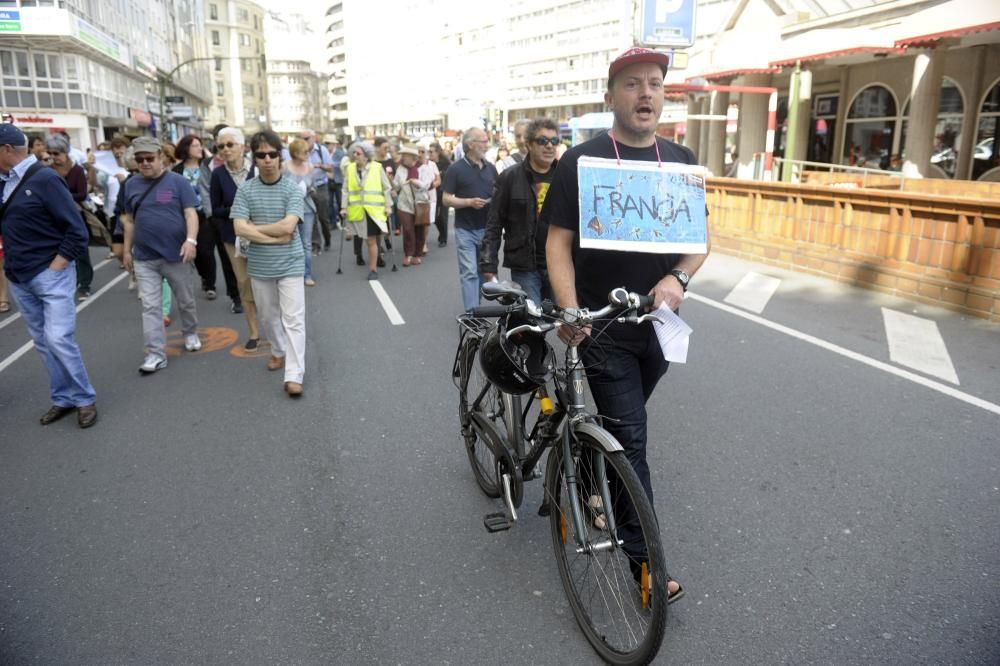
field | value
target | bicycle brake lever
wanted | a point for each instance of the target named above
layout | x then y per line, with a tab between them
649	317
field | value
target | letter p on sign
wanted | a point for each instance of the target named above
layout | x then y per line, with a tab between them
666	7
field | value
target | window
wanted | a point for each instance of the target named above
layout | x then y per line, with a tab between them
218	64
248	90
244	39
246	65
986	151
222	111
216	39
256	25
871	128
220	89
947	132
243	14
213	12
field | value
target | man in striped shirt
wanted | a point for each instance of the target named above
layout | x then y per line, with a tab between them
267	211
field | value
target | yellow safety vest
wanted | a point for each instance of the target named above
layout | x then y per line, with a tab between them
368	199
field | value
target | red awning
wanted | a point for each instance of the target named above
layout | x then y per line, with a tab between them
788	62
733	73
930	39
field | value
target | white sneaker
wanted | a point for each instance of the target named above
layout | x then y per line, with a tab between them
131	282
192	342
152	364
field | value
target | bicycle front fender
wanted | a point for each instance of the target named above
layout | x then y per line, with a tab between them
599	435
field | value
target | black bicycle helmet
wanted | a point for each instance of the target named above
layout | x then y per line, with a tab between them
517	365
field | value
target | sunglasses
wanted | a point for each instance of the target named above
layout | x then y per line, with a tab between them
542	141
226	145
272	154
145	159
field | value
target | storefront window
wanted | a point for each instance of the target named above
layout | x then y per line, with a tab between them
986	151
821	132
871	125
947	131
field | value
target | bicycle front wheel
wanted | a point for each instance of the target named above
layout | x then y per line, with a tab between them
613	568
479	399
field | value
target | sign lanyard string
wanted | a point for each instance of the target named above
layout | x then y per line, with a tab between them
656	144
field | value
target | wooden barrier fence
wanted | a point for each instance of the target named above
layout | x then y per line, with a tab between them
931	248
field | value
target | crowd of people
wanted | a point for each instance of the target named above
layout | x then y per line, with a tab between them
170	212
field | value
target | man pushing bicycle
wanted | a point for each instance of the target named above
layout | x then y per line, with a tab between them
622	374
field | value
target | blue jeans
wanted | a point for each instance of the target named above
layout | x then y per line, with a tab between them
534	283
468	242
48	305
622	376
305	235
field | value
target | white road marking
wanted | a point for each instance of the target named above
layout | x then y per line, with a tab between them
916	343
390	308
854	356
17	315
79	308
753	292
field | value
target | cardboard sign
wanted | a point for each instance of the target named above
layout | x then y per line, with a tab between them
642	206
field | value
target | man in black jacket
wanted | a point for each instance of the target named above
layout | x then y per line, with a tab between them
518	196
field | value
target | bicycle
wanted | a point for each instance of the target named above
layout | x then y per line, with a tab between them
604	532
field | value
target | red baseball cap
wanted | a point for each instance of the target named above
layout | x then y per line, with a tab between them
635	55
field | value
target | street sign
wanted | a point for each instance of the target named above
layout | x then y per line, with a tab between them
666	23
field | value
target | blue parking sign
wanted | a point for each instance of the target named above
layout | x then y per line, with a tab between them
667	23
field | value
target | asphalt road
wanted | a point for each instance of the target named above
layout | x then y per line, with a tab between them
817	508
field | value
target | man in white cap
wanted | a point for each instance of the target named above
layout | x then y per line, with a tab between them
44	235
623	373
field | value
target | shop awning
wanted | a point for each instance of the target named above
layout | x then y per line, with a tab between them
955	18
829	43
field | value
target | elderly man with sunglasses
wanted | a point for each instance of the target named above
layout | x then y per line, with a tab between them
161	239
517	201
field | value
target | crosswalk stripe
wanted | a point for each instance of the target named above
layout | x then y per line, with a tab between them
916	343
854	356
753	292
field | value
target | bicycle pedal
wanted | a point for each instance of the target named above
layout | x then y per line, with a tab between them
497	522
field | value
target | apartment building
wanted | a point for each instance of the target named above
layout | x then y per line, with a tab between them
235	32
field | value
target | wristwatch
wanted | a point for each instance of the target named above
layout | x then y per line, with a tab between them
682	277
192	241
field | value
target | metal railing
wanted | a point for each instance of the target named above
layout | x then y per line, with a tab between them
798	166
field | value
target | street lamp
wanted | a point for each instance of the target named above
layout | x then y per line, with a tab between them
165	78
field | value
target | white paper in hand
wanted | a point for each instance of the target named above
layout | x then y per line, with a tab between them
672	334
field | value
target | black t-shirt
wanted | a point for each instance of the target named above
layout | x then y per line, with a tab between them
540	184
600	271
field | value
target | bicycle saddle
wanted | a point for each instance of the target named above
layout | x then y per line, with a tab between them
506	292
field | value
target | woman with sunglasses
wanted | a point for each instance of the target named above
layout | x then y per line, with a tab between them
267	211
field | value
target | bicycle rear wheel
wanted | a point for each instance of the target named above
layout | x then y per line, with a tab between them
617	591
480	401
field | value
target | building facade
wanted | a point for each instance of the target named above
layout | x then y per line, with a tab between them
235	32
92	69
336	50
298	96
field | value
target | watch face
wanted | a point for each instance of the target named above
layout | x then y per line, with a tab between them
682	276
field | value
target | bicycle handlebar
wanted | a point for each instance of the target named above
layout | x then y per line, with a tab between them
618	299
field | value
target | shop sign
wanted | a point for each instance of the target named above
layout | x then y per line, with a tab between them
142	117
96	39
10	21
667	23
143	67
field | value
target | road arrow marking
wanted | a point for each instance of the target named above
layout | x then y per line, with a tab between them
916	343
390	308
753	292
